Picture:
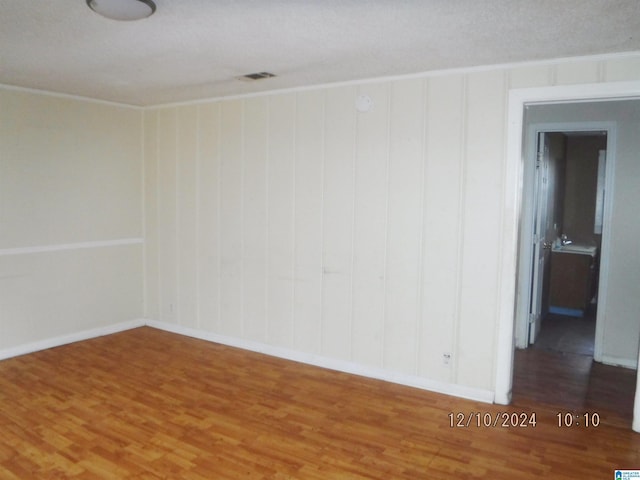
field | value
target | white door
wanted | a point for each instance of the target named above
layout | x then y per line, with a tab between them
542	234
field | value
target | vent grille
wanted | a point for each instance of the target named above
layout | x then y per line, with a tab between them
257	76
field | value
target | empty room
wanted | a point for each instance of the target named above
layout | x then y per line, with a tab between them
319	240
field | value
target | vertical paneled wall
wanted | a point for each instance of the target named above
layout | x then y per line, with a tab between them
294	220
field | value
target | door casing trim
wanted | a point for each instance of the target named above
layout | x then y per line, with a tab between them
513	183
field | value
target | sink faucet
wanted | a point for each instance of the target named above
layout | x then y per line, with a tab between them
565	240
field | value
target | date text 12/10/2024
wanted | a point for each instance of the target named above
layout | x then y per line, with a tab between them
520	419
496	419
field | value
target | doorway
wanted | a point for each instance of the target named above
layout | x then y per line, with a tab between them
567	172
562	248
567	178
623	111
567	199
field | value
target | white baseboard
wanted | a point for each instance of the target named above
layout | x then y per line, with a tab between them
279	352
69	338
619	362
470	393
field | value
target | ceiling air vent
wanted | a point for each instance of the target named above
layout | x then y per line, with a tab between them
257	76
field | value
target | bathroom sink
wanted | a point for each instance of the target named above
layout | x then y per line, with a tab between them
576	248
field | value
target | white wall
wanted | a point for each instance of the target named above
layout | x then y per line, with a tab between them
295	221
288	219
621	323
70	216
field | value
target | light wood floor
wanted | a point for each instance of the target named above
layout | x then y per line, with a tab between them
147	404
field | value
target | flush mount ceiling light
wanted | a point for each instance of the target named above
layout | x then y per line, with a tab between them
123	9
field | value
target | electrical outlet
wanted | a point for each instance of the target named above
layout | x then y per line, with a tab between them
446	358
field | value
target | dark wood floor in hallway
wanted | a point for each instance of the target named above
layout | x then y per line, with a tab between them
147	404
567	382
559	374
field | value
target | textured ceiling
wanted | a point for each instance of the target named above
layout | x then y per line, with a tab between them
191	49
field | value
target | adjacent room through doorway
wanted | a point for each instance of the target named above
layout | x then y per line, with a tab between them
562	362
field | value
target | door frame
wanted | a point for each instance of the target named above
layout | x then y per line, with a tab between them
512	211
526	248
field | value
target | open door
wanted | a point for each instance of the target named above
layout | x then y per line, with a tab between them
541	245
550	151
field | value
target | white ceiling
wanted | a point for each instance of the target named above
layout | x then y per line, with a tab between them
191	49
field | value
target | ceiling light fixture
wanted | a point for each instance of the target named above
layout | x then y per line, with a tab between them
123	9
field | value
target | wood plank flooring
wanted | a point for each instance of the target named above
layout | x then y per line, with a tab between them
558	374
147	404
570	382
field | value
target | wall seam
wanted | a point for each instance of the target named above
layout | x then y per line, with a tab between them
157	229
143	212
267	326
243	153
294	245
176	155
463	157
218	320
198	160
6	252
385	259
500	279
323	155
418	332
354	154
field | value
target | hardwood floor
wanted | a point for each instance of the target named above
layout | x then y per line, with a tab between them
558	373
564	334
147	404
566	382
